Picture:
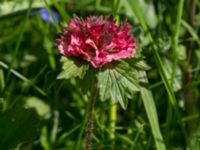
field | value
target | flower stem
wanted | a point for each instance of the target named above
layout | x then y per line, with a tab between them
113	118
190	102
89	130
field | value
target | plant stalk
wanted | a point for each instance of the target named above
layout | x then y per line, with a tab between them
89	130
190	103
113	118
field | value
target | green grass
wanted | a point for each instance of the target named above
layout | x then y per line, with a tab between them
157	116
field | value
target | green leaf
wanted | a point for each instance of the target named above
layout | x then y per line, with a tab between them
42	108
2	80
151	111
116	81
159	63
17	126
177	81
72	67
138	64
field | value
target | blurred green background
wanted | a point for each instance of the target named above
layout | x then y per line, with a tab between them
37	111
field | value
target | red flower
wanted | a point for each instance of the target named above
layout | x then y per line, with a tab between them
97	40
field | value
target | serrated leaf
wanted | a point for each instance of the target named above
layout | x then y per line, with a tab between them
116	81
138	63
141	64
72	67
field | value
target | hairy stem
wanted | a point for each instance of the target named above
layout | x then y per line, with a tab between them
190	103
89	130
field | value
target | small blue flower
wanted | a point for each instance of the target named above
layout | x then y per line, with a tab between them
46	17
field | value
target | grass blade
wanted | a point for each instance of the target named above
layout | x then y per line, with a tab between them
151	112
191	31
159	63
23	78
176	38
58	28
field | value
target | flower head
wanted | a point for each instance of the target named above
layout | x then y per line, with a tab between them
97	40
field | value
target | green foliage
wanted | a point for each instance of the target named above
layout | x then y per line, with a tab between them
18	126
116	82
72	68
150	108
158	115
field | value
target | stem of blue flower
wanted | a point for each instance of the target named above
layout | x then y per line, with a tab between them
113	119
89	130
